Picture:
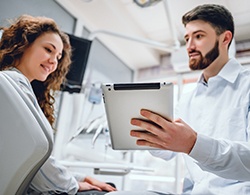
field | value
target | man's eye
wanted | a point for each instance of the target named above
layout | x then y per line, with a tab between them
198	36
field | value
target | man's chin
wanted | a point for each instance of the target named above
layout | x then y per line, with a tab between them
193	64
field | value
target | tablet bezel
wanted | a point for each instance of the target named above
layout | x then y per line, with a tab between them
123	101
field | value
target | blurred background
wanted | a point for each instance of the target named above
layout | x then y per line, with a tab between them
121	41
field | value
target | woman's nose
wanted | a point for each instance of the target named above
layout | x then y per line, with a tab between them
53	60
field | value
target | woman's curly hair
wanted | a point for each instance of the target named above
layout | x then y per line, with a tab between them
17	38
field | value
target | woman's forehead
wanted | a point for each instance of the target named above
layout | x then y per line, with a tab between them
53	39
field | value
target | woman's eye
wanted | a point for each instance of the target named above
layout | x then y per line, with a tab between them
48	49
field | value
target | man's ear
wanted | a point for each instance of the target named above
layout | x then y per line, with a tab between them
227	38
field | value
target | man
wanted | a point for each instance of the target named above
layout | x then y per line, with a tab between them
212	130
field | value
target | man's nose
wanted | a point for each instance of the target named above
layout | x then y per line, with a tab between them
190	45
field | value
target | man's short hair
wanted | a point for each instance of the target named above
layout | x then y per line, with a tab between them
217	15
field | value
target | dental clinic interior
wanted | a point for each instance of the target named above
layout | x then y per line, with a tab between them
121	41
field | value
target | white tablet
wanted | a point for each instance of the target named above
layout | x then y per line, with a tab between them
123	101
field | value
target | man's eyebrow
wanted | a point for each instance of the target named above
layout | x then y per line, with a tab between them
197	31
185	36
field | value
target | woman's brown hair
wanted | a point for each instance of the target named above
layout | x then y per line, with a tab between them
17	38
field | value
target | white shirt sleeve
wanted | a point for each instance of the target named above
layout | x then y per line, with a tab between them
224	158
163	154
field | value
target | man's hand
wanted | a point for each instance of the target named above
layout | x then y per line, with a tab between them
161	133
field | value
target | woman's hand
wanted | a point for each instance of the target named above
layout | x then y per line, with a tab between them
90	183
87	186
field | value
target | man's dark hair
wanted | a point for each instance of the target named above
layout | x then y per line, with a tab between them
216	15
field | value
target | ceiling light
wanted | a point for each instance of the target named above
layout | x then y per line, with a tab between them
146	3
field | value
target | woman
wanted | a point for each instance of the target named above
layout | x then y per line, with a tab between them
34	48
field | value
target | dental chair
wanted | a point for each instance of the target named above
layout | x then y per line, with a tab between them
25	143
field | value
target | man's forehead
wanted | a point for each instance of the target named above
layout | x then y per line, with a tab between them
198	26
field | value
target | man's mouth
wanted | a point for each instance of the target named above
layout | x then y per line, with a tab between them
194	54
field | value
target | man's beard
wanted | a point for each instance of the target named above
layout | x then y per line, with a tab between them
204	62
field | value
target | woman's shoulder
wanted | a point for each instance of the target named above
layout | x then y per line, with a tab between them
21	81
17	76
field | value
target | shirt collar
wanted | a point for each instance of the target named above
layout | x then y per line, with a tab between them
229	72
201	80
21	78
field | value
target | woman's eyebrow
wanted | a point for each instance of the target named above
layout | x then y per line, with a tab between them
55	48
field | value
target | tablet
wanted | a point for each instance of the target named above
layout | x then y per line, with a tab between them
123	101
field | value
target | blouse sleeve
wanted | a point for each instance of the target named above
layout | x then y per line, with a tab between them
53	177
